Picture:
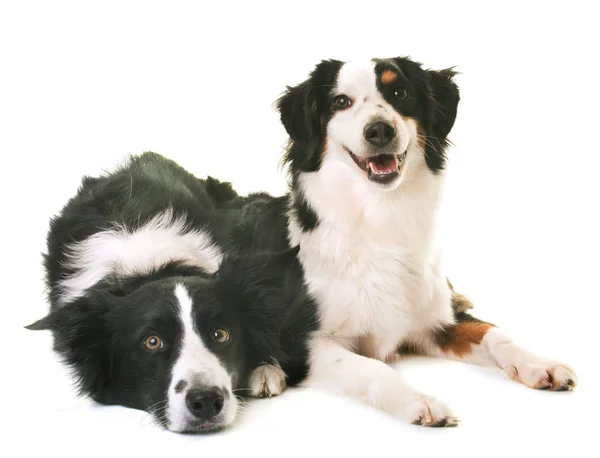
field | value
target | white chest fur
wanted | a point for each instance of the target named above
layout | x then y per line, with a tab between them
372	262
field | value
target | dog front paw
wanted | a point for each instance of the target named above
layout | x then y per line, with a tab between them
267	380
543	375
429	411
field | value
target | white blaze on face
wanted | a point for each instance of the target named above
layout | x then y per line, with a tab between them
197	367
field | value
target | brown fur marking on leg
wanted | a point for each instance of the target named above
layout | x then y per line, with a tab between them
460	337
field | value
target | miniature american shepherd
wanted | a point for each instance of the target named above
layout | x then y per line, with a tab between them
174	294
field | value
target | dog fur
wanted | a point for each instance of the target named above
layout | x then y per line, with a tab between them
152	309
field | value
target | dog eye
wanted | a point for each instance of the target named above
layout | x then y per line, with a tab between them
401	94
341	102
153	343
220	336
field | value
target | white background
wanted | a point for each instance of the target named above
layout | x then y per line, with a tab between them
83	84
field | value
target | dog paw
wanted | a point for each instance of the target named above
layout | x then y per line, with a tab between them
267	380
429	411
543	375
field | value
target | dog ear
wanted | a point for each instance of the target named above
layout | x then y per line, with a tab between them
443	98
46	323
64	319
302	109
446	97
82	336
299	115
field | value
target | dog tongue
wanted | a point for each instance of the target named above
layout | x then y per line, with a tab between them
383	164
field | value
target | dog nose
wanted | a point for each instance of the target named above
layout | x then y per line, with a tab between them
379	133
205	403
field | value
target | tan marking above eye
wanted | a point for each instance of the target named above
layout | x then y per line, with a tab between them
220	336
153	343
388	77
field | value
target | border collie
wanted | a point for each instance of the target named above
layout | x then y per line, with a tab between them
152	306
366	156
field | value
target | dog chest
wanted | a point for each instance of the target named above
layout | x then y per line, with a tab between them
363	285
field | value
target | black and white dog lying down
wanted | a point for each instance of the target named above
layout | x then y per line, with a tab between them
153	307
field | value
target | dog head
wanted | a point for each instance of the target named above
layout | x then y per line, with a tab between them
168	348
175	346
379	118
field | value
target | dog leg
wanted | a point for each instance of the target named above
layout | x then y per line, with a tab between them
474	341
267	380
336	369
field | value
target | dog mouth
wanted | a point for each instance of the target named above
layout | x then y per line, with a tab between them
382	168
203	427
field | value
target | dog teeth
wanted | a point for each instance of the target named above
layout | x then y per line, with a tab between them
375	171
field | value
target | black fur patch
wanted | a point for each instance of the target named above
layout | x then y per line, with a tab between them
305	215
305	111
220	192
432	102
181	384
